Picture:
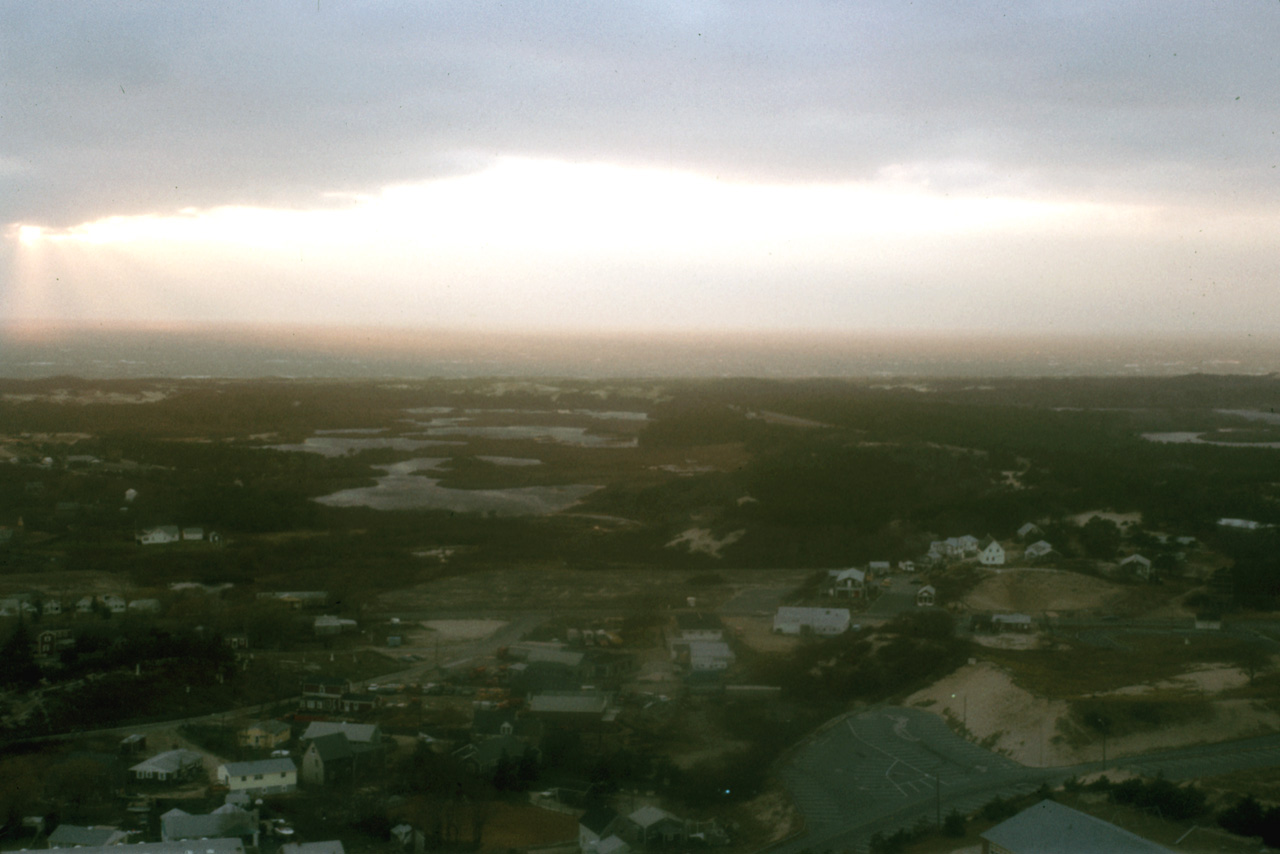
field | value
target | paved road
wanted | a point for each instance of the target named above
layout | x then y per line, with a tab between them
886	768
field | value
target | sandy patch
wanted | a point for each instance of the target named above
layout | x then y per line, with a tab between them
757	634
1206	679
452	631
701	540
982	699
774	812
1035	590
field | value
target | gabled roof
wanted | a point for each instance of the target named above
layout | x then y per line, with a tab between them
72	836
261	766
649	816
849	574
355	733
834	617
598	819
585	703
169	762
332	846
1051	828
331	747
612	844
565	657
272	727
224	822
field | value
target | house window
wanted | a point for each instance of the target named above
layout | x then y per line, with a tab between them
257	776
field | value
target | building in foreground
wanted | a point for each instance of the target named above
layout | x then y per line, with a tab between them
1051	828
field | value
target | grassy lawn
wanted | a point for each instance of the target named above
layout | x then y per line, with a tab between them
1079	669
512	825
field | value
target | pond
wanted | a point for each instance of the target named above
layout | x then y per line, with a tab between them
576	436
402	488
1190	438
340	446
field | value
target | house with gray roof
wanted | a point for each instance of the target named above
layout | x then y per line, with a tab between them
354	733
331	846
333	758
851	582
186	846
574	708
169	767
1051	828
74	836
1038	549
226	822
655	826
596	825
791	620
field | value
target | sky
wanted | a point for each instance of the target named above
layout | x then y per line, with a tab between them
801	166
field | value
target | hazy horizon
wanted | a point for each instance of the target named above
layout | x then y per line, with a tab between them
132	351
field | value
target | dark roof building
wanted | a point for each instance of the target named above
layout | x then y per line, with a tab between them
1051	828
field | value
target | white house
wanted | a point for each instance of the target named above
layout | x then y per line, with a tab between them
1029	530
160	534
330	625
791	620
926	596
710	655
848	582
1138	565
192	534
968	544
907	566
51	607
991	553
263	776
169	766
115	604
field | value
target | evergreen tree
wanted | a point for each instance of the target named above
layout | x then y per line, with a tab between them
18	668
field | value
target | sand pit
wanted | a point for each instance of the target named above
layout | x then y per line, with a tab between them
983	699
702	541
1208	679
1036	590
757	633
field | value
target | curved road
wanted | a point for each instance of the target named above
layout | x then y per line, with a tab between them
886	768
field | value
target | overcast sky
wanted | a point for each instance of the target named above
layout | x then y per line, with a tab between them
1023	166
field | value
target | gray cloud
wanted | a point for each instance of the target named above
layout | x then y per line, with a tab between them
156	106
